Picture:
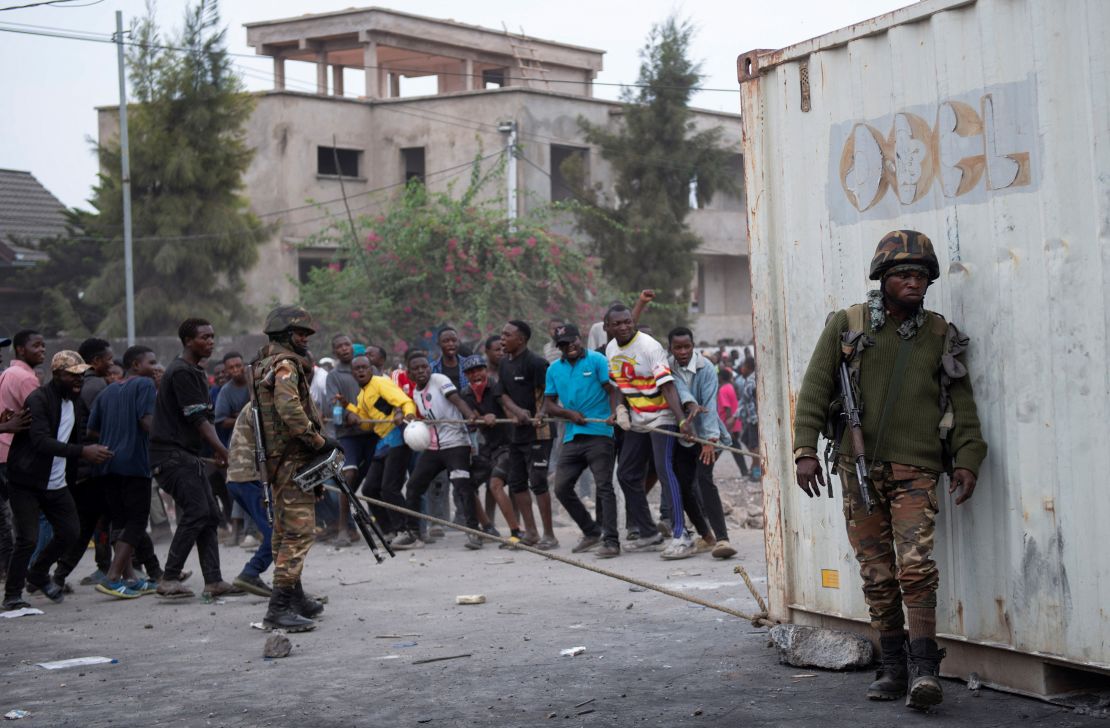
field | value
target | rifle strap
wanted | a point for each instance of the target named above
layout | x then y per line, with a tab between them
893	390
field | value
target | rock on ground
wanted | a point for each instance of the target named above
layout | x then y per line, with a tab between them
277	645
825	648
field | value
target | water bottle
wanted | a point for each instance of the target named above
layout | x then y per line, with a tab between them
337	414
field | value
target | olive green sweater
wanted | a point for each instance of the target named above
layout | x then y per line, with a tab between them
911	428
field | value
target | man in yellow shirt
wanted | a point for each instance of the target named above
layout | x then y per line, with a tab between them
379	399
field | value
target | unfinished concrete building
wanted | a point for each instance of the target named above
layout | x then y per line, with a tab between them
357	125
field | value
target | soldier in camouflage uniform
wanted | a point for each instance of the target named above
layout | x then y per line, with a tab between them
929	428
293	436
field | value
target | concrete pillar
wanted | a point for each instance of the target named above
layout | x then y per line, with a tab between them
279	73
468	69
394	85
322	72
373	73
337	80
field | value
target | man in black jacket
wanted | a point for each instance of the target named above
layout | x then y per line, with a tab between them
42	462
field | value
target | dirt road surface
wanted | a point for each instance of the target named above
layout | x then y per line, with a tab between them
649	659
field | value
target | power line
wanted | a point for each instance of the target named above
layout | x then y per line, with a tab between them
68	34
56	3
240	234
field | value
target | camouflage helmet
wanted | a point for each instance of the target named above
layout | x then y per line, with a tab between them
283	318
904	247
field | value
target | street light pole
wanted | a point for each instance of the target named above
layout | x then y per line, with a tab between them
128	265
509	127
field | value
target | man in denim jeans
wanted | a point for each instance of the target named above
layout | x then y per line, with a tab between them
579	379
245	489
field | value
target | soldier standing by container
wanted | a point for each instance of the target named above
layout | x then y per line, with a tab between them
293	435
919	421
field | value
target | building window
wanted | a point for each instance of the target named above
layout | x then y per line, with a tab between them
336	162
493	78
567	163
412	159
309	261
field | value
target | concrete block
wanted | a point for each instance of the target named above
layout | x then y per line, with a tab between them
825	648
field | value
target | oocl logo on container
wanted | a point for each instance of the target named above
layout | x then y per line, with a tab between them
959	151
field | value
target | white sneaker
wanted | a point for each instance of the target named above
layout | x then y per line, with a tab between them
249	543
679	548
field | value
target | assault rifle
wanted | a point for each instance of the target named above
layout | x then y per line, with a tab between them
855	428
260	451
327	468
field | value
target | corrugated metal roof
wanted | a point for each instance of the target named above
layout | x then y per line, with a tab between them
28	211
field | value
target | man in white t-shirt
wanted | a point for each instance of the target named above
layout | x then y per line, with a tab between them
644	399
437	398
41	464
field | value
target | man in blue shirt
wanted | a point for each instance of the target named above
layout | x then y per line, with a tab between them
577	388
121	420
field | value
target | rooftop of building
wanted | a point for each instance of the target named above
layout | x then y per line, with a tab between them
28	211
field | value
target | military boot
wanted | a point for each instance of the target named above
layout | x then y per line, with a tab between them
924	667
281	613
302	605
890	679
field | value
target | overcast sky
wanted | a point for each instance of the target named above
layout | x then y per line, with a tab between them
50	86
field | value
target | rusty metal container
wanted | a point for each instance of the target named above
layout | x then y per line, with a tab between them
985	124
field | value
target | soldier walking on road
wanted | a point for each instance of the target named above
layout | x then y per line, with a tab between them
292	432
919	422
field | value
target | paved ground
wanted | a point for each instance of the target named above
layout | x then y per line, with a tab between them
649	660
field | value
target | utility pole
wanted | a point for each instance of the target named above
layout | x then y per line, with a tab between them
128	263
509	127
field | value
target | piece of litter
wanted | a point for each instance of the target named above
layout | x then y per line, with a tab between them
355	583
804	674
585	702
587	711
572	651
17	713
77	662
973	681
681	573
439	659
395	636
25	612
388	657
399	645
258	625
498	562
636	589
470	599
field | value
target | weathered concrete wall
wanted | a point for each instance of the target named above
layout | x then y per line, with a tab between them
286	129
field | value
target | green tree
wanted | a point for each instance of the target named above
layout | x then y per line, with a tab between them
434	258
194	234
640	232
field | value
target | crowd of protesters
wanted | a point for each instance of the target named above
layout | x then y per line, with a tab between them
88	444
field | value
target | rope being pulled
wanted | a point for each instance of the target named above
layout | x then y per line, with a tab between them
540	421
758	620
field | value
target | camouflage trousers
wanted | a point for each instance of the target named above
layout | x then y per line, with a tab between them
893	545
294	526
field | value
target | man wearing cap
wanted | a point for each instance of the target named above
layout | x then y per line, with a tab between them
577	388
41	464
293	434
919	421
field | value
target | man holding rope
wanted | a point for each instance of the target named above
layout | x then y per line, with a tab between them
580	380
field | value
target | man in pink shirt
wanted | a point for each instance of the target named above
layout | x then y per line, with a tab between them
16	382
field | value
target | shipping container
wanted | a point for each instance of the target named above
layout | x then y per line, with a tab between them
986	125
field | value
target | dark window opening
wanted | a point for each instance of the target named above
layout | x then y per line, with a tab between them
493	78
567	163
412	159
336	162
308	263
